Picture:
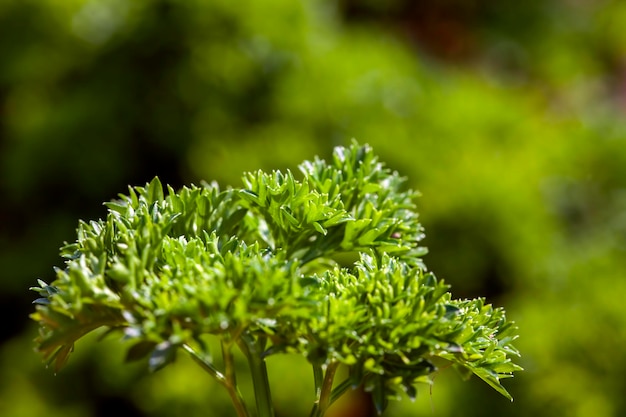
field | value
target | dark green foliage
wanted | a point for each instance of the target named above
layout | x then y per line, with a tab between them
267	267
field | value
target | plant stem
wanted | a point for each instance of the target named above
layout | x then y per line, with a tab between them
327	387
318	377
233	391
227	380
253	351
324	391
340	389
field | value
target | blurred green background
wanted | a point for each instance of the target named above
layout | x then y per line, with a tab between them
507	116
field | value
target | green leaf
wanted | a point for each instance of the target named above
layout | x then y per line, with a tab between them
231	223
411	390
155	191
379	394
162	354
491	378
140	350
319	228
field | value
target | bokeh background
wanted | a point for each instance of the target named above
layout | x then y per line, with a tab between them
508	116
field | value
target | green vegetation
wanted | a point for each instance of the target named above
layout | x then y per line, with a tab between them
507	116
263	269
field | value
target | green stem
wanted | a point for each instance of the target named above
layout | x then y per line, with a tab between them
327	387
324	390
258	370
318	377
229	370
227	380
340	389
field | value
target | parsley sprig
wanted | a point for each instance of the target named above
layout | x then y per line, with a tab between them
327	265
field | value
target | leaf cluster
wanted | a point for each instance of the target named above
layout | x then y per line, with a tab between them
327	266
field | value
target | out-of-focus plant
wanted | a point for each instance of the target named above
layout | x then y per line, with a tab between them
327	266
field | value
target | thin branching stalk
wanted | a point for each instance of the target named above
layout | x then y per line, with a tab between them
258	371
227	379
340	389
318	378
325	397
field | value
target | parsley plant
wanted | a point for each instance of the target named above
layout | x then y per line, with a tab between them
327	265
